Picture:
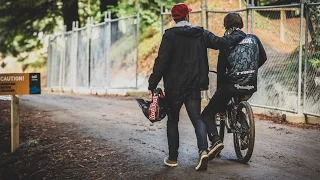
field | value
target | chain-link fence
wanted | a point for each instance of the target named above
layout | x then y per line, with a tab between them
123	61
82	64
312	61
279	29
283	31
55	52
101	56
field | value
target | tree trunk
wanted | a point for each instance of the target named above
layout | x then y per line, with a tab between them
104	7
114	25
70	13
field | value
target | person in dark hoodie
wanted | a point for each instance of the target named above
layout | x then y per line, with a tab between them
182	62
237	72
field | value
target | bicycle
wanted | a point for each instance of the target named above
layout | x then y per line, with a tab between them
240	123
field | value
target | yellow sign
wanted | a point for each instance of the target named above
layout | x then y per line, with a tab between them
20	83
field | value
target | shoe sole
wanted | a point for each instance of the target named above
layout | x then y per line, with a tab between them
215	151
203	163
170	165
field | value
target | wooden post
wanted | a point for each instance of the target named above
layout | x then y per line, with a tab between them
14	123
203	13
282	25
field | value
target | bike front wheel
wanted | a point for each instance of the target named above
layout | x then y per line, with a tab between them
244	135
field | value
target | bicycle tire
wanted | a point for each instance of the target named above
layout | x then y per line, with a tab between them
237	146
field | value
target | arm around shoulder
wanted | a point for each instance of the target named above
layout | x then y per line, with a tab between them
262	53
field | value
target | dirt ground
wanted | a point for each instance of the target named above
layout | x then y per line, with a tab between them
51	150
90	137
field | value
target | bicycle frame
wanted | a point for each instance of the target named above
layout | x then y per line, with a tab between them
243	131
230	119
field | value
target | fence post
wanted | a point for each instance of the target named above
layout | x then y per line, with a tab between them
14	123
247	16
74	49
49	66
161	18
282	25
106	48
137	41
61	81
300	58
207	15
252	17
203	13
89	50
109	48
305	59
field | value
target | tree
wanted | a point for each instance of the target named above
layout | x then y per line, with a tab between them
104	4
149	12
313	19
70	12
21	20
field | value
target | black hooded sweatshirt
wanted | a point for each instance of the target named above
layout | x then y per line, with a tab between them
238	66
183	60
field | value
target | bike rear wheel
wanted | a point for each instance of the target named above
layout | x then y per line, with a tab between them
244	136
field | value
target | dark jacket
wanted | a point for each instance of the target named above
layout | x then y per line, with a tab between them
239	65
183	60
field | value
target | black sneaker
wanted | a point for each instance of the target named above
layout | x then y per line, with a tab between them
215	149
203	161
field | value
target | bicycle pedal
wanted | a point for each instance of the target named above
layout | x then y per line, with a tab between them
229	130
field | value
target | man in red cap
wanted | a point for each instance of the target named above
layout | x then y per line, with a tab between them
182	62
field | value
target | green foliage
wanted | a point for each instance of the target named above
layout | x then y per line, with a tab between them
21	20
89	8
314	12
314	60
3	65
149	11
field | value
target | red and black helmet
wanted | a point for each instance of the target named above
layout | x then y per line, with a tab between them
154	110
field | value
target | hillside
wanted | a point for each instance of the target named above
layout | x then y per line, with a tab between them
267	29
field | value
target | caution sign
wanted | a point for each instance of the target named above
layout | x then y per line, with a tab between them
20	83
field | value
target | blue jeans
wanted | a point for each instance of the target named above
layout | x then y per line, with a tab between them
192	101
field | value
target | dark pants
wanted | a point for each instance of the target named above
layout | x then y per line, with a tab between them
217	104
192	101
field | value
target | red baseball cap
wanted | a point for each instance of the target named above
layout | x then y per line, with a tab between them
180	11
